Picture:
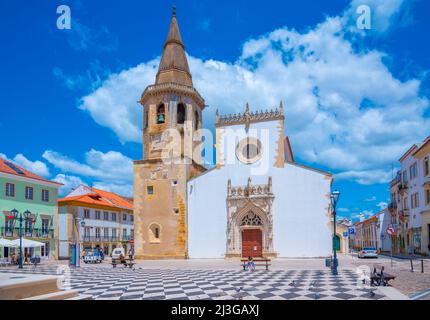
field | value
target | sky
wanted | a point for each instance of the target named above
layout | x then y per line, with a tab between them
354	99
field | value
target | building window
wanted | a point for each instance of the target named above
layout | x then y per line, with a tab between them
427	196
10	189
45	195
249	150
98	233
150	189
113	216
98	215
404	176
106	233
114	234
161	115
105	215
413	171
180	113
29	193
154	233
414	201
45	227
86	213
131	218
28	227
124	217
426	166
87	232
196	120
124	234
405	203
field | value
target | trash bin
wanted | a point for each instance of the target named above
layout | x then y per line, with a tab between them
328	262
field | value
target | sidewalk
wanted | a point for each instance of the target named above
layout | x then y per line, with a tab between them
406	256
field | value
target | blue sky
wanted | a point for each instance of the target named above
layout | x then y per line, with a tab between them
354	100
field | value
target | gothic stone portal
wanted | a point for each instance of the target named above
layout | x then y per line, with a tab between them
250	220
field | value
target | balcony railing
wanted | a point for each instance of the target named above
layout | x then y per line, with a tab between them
39	233
100	239
403	186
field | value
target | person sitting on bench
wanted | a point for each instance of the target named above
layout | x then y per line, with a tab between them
122	259
250	265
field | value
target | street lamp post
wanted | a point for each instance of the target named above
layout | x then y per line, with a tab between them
27	216
334	198
80	222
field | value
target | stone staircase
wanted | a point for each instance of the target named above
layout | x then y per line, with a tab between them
18	286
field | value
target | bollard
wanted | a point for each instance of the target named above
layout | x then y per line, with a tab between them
422	266
412	266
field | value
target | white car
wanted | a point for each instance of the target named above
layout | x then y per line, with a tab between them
368	252
117	252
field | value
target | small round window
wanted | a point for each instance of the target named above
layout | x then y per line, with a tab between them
249	150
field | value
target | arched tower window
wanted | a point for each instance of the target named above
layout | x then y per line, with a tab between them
196	120
180	113
161	114
154	232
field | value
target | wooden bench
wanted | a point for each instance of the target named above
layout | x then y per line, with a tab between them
128	263
259	262
380	277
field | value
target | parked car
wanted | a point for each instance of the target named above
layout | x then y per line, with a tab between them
117	252
368	252
93	257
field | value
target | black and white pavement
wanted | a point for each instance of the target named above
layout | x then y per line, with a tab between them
124	283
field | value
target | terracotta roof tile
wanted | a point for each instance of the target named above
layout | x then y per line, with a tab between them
7	169
101	198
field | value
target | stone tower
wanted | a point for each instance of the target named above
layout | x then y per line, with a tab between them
160	179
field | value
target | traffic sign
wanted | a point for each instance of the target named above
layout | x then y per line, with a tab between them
345	234
390	230
351	231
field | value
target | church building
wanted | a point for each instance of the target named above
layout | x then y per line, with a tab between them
256	200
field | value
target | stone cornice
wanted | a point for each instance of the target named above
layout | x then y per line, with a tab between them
172	87
249	117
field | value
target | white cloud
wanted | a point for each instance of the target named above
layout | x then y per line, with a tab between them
344	108
69	183
370	199
114	104
382	205
111	166
384	14
36	167
110	171
121	189
343	210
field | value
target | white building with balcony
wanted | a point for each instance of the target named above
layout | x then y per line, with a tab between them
100	219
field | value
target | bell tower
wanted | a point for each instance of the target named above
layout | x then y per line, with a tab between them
160	186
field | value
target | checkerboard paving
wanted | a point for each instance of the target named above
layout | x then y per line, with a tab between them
124	284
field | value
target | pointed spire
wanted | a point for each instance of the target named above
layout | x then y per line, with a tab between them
281	108
174	65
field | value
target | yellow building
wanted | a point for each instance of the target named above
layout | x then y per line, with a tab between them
342	233
423	156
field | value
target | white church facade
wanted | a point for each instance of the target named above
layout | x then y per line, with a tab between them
256	200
